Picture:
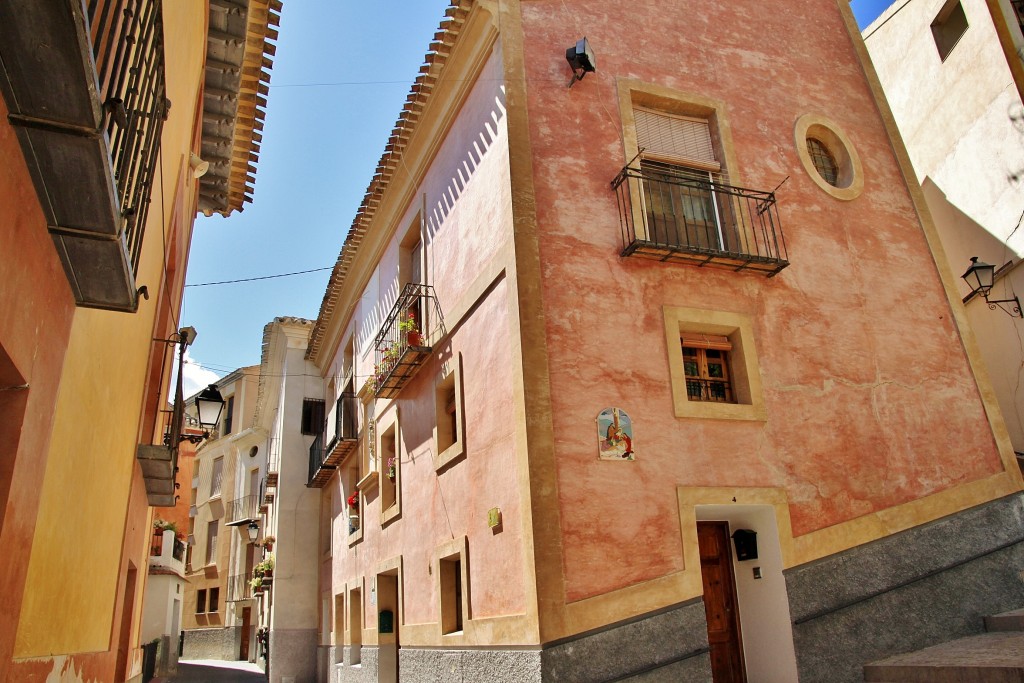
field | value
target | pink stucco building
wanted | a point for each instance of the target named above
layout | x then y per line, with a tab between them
578	337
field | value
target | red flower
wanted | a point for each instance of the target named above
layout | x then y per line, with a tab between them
353	500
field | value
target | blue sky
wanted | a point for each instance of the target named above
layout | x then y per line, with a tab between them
340	77
321	144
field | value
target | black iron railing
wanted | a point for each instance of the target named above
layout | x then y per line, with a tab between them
316	455
403	343
239	587
128	49
715	390
243	509
344	419
671	213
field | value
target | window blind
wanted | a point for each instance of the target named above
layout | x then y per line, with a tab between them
705	341
674	138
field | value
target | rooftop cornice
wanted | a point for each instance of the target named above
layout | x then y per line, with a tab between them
239	55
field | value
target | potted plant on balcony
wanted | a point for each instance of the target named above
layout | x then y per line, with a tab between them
353	512
257	586
410	329
268	566
268	542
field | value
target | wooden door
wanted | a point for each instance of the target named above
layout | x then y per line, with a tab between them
243	653
720	605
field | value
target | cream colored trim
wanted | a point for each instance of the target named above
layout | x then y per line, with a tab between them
457	449
633	92
744	368
949	280
457	547
851	173
543	576
386	421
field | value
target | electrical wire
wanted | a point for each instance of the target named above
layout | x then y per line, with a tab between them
262	277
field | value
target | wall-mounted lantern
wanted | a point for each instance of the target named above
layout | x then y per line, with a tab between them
581	60
254	531
980	277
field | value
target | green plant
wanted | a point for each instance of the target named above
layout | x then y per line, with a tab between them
164	525
256	583
408	324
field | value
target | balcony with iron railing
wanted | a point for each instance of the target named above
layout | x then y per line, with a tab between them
673	214
403	343
239	588
89	115
273	462
243	510
324	460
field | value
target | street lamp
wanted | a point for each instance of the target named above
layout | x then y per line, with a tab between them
980	277
254	531
209	404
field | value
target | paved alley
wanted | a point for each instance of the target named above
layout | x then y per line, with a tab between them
214	671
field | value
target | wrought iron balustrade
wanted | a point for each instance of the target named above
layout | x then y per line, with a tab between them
316	455
242	510
239	588
89	119
670	213
714	390
400	350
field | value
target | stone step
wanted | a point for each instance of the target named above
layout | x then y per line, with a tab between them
1007	621
985	658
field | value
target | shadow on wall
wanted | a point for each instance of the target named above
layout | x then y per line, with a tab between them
461	170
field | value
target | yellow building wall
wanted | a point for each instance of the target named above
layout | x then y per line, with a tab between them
74	570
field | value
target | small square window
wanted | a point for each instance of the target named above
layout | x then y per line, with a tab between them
713	366
949	26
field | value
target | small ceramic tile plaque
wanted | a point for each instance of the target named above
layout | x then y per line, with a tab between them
614	435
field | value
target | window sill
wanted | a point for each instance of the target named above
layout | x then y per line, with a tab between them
355	537
369	482
390	514
452	454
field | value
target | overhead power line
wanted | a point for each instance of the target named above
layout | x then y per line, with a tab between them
262	277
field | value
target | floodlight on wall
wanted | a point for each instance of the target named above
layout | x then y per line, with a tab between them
581	60
198	166
981	277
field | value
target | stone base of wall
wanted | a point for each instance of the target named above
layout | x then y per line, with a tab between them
670	646
213	643
293	655
921	587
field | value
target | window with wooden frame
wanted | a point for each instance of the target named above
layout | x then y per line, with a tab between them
706	367
713	366
681	169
